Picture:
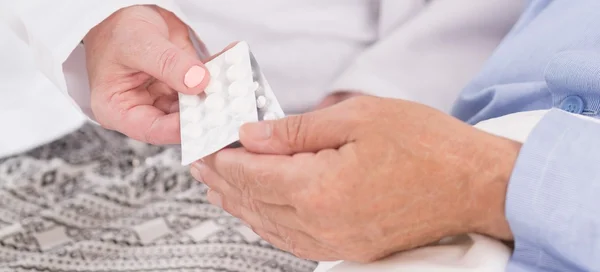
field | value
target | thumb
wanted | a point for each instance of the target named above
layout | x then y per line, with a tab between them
171	64
310	132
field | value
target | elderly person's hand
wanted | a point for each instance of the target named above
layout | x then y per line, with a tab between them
363	179
137	60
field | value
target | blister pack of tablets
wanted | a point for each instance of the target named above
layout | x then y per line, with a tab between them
238	93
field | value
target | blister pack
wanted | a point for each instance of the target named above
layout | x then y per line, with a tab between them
238	93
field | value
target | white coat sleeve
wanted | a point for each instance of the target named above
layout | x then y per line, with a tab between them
428	57
53	31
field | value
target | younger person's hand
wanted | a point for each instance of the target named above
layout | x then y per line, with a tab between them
138	59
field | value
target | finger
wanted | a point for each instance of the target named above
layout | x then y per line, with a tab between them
133	113
260	215
216	198
169	63
268	178
166	98
210	176
328	128
215	182
267	216
158	89
167	104
298	244
254	212
148	124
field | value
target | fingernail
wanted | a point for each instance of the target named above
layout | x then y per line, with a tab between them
214	198
257	131
194	76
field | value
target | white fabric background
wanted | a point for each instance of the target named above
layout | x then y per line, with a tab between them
306	48
32	110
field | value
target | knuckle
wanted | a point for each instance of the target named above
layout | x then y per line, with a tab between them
167	61
294	130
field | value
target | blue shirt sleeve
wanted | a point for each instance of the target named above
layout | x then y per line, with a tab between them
553	199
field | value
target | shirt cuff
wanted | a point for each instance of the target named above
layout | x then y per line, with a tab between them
552	197
53	31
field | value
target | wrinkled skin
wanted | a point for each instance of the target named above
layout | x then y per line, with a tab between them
362	179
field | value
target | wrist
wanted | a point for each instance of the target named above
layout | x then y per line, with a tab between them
494	159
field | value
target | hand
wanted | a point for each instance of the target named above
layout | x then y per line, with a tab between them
363	179
137	60
335	98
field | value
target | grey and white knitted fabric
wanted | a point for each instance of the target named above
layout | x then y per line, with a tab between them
98	201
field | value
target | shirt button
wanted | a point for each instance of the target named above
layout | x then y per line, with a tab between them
572	104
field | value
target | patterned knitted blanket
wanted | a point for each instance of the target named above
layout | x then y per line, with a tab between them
98	201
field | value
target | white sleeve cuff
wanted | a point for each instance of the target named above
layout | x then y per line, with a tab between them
54	29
